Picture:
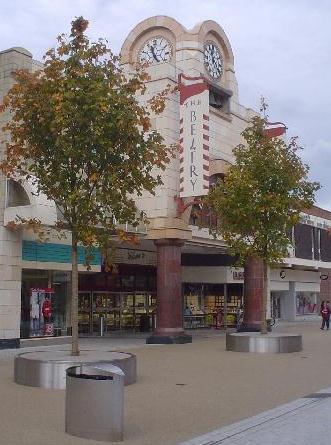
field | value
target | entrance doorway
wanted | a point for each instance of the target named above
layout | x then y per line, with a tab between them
100	313
105	310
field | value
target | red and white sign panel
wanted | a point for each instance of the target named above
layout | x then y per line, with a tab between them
274	132
194	136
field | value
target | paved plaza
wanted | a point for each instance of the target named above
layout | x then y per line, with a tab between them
303	421
193	394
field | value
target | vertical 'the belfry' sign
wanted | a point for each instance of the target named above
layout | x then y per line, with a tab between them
194	136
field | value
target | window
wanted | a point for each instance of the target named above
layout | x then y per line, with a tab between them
214	178
16	195
316	243
219	98
303	241
200	216
306	303
325	243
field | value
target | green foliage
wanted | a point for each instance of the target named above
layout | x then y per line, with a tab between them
262	195
81	135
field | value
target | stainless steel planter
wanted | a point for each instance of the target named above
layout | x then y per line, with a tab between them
267	343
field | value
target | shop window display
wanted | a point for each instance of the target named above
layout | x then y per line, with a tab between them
194	315
118	311
44	303
306	303
105	312
84	312
128	311
204	305
41	313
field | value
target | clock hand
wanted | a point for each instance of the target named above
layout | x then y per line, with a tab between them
153	53
212	58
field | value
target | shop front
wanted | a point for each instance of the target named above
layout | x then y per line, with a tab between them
124	300
107	302
120	301
101	313
294	294
204	304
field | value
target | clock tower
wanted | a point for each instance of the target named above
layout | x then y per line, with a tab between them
174	56
205	118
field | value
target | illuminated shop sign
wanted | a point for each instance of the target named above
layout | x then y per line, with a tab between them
194	136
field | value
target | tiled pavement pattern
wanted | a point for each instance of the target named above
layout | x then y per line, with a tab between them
304	421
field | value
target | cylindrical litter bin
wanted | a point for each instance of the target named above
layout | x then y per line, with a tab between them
94	402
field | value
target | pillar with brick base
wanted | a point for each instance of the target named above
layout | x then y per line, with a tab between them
253	294
169	309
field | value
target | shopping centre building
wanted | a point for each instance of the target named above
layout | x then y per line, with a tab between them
178	276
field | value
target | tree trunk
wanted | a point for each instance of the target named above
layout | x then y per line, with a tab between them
264	329
74	297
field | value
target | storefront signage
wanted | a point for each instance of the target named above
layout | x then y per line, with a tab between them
135	255
238	275
315	221
132	256
194	136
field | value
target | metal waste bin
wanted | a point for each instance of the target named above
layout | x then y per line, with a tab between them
94	402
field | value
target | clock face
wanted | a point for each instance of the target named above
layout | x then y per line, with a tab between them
155	50
213	60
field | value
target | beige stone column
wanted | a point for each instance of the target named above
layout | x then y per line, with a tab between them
10	242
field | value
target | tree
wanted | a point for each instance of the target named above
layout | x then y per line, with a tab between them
261	198
81	133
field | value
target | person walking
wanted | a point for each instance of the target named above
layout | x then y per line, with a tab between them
325	313
239	316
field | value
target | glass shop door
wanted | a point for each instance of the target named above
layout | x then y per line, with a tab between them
99	312
84	313
106	314
127	311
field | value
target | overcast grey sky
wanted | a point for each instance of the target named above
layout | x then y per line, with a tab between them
282	50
